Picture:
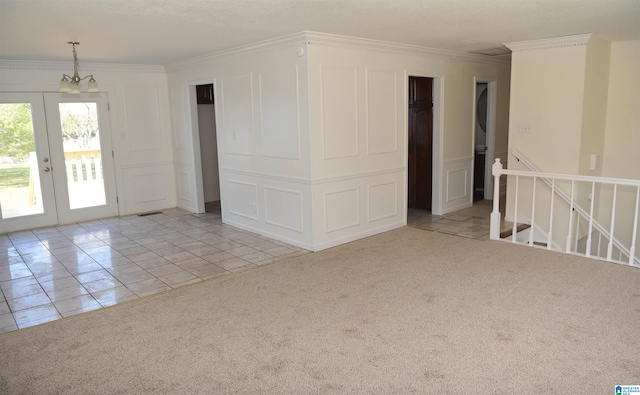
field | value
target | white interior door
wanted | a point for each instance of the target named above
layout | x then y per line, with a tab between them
81	156
27	197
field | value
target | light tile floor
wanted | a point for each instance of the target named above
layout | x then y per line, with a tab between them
453	224
473	222
55	272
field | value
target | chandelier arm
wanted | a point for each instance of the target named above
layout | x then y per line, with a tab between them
84	78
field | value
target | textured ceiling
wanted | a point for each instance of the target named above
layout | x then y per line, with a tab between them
165	31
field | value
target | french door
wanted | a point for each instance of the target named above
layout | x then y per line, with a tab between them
56	164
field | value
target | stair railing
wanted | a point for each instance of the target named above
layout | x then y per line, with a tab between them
624	254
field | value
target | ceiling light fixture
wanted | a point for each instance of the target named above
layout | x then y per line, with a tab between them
70	84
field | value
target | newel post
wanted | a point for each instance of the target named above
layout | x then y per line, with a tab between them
496	170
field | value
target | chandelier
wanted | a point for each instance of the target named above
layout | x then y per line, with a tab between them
71	84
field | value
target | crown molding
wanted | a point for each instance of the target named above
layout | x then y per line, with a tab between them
549	43
306	38
8	64
289	41
325	39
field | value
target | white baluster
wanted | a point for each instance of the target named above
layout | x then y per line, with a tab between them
514	230
89	169
593	198
69	167
613	221
569	236
599	244
98	166
632	250
533	210
550	232
79	175
575	247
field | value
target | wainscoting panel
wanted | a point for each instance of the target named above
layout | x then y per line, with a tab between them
339	112
142	115
279	113
184	185
283	208
382	112
237	114
383	201
275	207
147	188
241	199
457	184
358	206
342	209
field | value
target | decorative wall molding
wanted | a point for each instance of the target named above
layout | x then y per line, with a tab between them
349	201
270	176
242	204
549	43
358	175
457	184
306	38
339	116
271	216
87	67
374	201
151	165
292	41
305	181
336	41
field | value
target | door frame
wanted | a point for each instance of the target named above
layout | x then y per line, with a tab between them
490	133
192	107
438	141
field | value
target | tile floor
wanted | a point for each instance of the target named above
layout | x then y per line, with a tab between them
475	227
50	273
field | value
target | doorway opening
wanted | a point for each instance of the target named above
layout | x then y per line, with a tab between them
420	141
208	147
484	138
480	142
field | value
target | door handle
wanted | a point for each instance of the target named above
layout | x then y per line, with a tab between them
46	169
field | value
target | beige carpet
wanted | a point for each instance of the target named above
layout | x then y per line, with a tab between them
408	311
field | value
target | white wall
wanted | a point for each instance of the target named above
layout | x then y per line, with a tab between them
209	152
140	132
622	133
312	133
580	96
262	133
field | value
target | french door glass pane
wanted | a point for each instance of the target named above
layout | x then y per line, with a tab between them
20	189
83	159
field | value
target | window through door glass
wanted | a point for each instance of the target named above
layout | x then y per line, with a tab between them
83	157
20	188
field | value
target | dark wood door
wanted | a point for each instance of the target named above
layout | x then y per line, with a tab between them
420	141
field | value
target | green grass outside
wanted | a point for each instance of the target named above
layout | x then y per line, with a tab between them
14	176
